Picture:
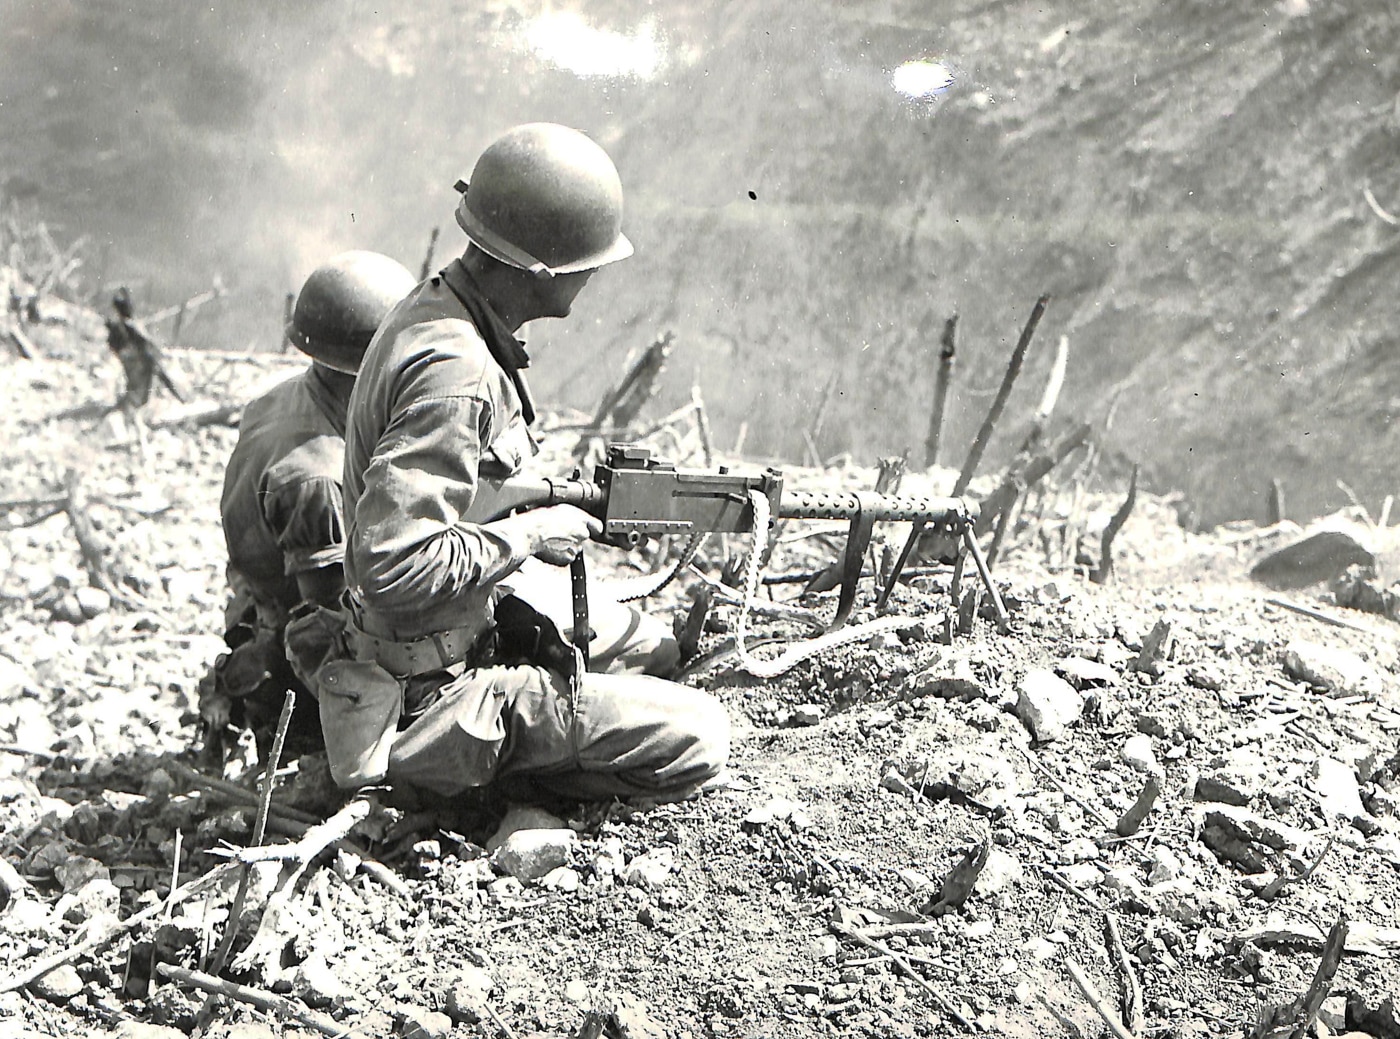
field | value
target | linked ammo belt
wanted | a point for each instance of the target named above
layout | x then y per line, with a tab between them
403	659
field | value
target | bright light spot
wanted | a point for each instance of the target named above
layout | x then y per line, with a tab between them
565	39
922	79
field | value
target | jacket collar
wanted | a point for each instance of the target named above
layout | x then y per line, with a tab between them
508	351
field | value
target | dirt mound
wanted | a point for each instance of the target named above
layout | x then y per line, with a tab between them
817	888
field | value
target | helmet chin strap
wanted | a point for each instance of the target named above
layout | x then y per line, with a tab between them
494	245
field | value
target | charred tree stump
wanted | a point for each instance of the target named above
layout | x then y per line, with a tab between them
1105	567
946	354
427	267
1276	508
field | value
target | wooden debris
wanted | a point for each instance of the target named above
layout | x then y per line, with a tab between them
263	1000
688	638
1105	568
193	303
216	965
890	474
1276	510
208	413
1063	883
1283	881
1089	809
999	535
1134	817
1317	615
946	355
38	968
814	430
93	551
984	435
1032	473
702	425
961	879
1082	982
623	403
907	969
1376	206
1294	1019
988	427
1153	646
1131	989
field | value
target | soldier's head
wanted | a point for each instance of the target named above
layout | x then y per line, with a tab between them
341	305
544	202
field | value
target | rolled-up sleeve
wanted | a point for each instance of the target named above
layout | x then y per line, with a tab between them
414	552
303	507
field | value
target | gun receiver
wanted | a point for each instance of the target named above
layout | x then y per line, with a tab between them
635	495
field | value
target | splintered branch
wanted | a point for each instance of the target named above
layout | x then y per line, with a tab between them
259	831
1105	568
979	443
622	404
38	968
907	969
1032	473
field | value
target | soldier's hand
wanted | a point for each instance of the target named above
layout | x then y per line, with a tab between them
559	532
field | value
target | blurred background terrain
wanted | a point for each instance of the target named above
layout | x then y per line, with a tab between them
1207	189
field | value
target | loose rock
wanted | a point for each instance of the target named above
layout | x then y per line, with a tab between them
527	855
651	870
59	985
1335	785
418	1023
1137	752
523	817
1316	558
468	993
1235	835
1047	705
1336	670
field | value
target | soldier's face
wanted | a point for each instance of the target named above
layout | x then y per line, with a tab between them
557	294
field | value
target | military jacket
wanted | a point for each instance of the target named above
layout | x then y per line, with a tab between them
282	505
433	407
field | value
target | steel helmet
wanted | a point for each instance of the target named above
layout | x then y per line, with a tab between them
342	303
547	199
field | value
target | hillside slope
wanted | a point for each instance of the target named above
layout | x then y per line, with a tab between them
1185	177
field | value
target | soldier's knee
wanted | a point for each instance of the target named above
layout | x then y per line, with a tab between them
707	725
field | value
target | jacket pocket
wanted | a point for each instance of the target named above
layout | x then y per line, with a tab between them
360	707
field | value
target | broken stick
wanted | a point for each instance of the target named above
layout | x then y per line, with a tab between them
907	969
256	997
1081	980
259	831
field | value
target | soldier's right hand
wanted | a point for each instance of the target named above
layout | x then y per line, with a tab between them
559	532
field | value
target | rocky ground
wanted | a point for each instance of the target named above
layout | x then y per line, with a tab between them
914	837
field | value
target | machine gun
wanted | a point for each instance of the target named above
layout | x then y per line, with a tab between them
635	496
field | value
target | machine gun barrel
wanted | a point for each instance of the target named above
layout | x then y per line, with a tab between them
881	508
